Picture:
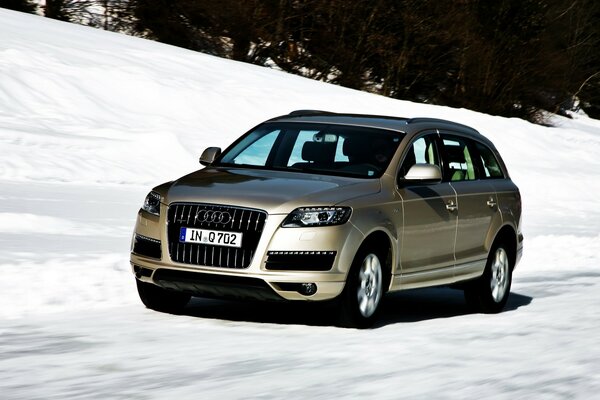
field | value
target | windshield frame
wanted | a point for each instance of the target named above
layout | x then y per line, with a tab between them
306	126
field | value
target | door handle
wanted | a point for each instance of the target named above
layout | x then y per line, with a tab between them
491	203
451	206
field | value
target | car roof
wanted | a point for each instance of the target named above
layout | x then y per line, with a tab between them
406	125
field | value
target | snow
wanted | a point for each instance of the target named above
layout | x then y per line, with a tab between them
91	120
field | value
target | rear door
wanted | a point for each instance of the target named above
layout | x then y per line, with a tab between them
476	201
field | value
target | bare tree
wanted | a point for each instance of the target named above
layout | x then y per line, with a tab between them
506	57
112	15
19	5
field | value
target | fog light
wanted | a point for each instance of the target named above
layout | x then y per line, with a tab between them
308	289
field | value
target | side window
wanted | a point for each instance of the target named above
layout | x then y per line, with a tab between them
258	152
421	151
491	168
459	162
339	151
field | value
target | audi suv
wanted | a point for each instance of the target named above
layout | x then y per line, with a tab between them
318	206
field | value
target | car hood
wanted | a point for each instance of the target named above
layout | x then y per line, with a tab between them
273	191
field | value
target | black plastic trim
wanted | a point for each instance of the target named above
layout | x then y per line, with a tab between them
146	246
217	286
300	260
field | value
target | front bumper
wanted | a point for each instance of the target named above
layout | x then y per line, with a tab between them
255	281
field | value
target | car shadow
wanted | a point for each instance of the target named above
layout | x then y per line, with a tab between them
401	307
433	303
288	313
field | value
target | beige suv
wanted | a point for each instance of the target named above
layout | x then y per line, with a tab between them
315	206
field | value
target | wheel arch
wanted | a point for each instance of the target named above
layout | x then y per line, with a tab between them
508	235
380	240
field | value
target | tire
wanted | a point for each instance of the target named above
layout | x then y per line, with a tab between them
363	293
490	292
159	299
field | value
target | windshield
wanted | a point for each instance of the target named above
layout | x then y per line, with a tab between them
314	148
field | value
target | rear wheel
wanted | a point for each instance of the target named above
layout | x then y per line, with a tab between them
490	292
363	293
159	299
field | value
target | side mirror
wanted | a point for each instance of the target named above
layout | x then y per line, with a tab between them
209	155
423	173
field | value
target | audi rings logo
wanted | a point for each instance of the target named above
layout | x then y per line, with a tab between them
216	217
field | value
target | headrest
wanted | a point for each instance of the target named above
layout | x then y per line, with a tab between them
355	147
456	154
317	152
369	150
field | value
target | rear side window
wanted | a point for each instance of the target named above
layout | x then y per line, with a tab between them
491	167
459	164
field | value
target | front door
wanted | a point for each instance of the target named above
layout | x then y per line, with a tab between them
476	201
429	218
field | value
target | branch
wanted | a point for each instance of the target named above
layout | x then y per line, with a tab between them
585	83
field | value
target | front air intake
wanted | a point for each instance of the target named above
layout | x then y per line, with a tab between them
146	246
300	260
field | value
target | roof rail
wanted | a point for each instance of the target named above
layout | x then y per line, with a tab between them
442	121
310	112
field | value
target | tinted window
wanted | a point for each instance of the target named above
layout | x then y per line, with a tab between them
459	161
490	166
315	148
257	152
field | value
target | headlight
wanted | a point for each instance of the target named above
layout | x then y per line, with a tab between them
152	203
317	216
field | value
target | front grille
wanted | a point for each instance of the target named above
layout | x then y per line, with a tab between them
249	222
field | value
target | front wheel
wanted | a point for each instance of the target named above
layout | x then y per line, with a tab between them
159	299
489	293
363	293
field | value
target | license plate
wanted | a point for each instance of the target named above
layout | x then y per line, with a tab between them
215	238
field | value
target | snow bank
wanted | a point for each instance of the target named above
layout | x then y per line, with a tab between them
90	120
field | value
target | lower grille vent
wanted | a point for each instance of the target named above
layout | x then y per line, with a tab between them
300	260
146	246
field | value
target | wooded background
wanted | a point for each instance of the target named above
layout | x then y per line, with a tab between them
504	57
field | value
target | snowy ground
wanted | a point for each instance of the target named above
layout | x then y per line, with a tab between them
89	121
